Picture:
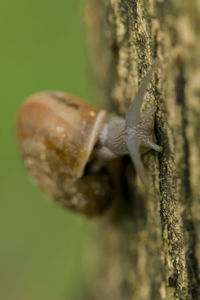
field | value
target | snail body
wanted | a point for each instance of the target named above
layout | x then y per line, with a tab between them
59	134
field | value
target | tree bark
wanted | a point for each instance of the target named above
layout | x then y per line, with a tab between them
151	249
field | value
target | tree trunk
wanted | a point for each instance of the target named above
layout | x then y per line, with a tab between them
151	249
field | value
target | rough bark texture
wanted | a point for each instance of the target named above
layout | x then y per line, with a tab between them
151	250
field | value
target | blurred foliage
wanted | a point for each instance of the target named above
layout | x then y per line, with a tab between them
43	249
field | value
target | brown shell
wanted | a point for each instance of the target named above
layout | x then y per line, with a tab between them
56	133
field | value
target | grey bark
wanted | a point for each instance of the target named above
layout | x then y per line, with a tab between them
150	249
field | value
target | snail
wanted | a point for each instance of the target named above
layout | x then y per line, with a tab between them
65	142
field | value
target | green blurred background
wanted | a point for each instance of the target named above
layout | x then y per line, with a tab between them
43	249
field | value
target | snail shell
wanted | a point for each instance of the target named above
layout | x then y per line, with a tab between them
56	133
